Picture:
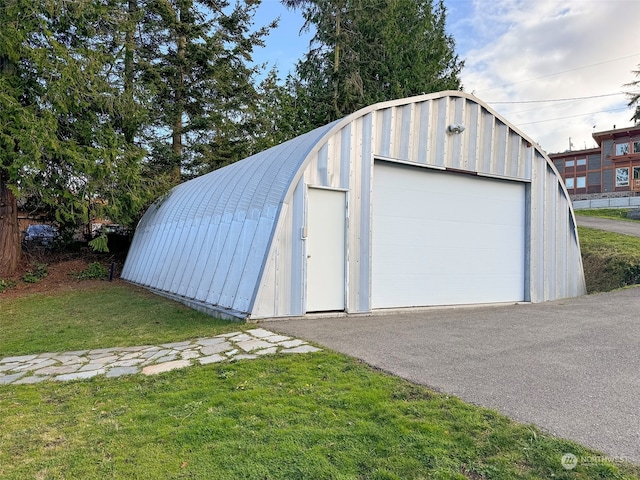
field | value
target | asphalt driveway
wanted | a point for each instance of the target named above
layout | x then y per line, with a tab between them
572	367
618	226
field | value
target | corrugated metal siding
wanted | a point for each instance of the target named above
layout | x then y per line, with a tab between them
413	132
488	145
556	264
207	240
252	257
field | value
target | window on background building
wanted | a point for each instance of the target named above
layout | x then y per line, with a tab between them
636	147
622	177
570	163
569	182
581	182
581	161
622	148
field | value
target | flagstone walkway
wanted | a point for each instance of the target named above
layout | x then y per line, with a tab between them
147	359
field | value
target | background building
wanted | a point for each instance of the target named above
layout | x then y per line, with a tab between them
612	170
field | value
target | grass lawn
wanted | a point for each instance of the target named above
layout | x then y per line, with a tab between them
611	260
115	315
611	213
592	239
312	416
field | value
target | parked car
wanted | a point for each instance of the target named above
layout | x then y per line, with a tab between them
113	228
40	235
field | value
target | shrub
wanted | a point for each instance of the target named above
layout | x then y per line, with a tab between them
6	284
100	243
36	273
94	271
610	260
605	271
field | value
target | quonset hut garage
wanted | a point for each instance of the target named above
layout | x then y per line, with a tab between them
430	200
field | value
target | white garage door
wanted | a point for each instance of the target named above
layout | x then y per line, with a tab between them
441	238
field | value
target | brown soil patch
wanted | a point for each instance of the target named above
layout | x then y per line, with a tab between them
62	272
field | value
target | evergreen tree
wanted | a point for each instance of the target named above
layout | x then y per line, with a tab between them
196	59
61	147
277	115
367	51
634	97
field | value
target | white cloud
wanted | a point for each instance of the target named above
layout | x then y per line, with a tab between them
518	50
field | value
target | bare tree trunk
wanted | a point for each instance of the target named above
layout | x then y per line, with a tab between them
176	137
336	65
10	248
129	126
9	231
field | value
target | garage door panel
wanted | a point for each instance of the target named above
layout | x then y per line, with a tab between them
442	238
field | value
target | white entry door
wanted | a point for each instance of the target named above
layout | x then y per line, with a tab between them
326	216
441	238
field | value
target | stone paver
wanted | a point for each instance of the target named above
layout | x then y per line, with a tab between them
7	379
242	337
276	338
230	334
291	343
127	363
21	358
301	349
215	358
216	348
267	351
119	371
205	342
189	354
244	356
100	351
167	358
115	362
165	367
250	345
30	380
91	366
67	359
79	375
9	366
34	366
61	370
176	344
260	332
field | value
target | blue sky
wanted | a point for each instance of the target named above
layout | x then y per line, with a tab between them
520	51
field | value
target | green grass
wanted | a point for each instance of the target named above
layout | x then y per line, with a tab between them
318	416
593	239
311	416
610	260
114	315
610	213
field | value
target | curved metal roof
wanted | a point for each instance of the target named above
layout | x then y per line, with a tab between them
208	241
220	220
